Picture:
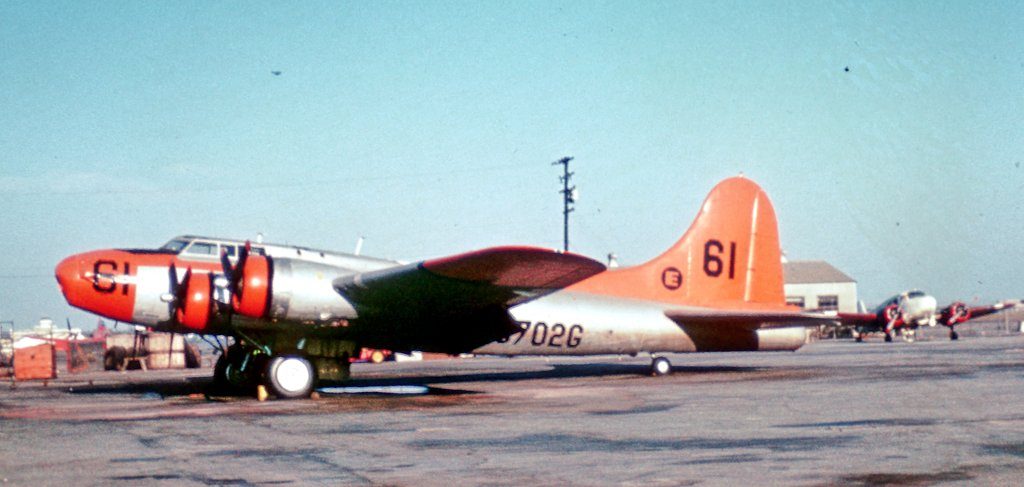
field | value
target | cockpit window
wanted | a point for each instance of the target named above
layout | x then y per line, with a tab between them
202	248
175	245
915	294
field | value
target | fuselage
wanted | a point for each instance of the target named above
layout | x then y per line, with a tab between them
134	286
913	308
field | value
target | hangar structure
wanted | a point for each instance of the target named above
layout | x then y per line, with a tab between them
817	285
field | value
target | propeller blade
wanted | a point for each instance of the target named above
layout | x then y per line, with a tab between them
180	298
172	272
225	264
236	276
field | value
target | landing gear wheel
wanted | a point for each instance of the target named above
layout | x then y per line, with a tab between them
237	370
953	335
115	358
661	366
290	376
888	337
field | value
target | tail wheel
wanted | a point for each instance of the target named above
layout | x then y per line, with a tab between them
661	366
953	335
290	376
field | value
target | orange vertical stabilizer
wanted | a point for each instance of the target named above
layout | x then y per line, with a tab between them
730	256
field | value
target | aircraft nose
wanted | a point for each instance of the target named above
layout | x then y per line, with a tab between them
67	272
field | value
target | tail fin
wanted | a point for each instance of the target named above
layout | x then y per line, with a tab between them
730	254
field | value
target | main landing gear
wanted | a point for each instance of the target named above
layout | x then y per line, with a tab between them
660	366
290	376
953	335
242	370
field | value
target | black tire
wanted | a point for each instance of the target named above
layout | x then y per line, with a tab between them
954	335
660	366
193	359
290	376
220	368
888	338
238	383
114	358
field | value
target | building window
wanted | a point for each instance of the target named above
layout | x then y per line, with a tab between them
795	300
828	302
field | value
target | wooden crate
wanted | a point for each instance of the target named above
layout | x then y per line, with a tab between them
165	353
34	363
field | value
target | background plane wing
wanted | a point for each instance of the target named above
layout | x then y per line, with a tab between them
860	320
458	303
959	312
748	319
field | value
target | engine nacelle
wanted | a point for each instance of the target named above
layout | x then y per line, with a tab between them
195	305
291	289
891	314
253	291
957	312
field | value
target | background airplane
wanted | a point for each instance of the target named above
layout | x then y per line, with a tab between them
298	314
907	311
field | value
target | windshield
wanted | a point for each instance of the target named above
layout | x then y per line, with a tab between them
915	294
175	245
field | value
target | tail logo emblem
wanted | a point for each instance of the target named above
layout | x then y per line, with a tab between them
671	278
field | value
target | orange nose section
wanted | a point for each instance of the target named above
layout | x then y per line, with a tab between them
67	273
97	282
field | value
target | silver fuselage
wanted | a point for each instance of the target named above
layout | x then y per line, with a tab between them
562	323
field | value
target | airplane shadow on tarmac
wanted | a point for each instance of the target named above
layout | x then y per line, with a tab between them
556	371
204	385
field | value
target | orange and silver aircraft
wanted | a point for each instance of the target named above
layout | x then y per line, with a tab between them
298	314
907	311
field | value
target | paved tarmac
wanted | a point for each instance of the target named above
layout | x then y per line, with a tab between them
927	413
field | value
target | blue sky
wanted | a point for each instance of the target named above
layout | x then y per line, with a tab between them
430	127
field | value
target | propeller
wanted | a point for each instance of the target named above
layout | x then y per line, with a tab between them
234	273
191	311
177	290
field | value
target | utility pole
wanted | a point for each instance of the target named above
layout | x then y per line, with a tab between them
568	197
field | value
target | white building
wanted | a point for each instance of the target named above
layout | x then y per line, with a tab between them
816	285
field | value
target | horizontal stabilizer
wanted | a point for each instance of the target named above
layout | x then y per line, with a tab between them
748	319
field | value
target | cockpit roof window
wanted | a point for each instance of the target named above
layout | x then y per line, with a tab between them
202	248
175	245
915	294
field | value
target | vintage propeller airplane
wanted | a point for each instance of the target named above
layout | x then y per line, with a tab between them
298	314
907	311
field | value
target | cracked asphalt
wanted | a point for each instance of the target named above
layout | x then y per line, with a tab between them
927	413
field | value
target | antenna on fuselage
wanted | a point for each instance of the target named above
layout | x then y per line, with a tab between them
359	245
259	237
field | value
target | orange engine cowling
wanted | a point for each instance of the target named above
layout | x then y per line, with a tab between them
252	292
196	304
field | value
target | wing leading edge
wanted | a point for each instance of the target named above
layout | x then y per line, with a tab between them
458	303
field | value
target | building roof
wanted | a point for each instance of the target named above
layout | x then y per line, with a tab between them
812	272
